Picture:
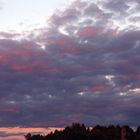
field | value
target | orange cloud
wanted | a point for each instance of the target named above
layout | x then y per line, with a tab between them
17	130
17	133
12	138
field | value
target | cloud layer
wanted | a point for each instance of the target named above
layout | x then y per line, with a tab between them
18	133
83	67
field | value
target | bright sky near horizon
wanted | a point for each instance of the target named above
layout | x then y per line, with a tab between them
22	14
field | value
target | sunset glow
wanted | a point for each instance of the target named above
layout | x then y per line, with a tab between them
17	133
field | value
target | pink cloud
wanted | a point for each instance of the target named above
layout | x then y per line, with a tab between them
17	133
10	109
25	58
89	31
13	138
18	130
97	87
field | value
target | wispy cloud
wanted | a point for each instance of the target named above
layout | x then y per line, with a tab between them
18	133
1	5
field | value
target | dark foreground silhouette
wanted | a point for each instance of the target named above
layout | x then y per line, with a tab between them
80	132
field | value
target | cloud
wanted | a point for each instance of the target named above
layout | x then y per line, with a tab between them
10	133
1	5
12	138
8	35
83	67
116	6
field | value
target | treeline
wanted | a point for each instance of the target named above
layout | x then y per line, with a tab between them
80	132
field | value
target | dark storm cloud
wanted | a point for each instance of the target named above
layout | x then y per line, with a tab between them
81	68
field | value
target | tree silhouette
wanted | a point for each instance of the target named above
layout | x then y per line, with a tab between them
79	132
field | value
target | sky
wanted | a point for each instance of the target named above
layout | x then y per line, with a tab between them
18	15
64	62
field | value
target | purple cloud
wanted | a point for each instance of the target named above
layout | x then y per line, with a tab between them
83	67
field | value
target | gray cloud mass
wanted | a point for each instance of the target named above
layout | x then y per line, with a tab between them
89	70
